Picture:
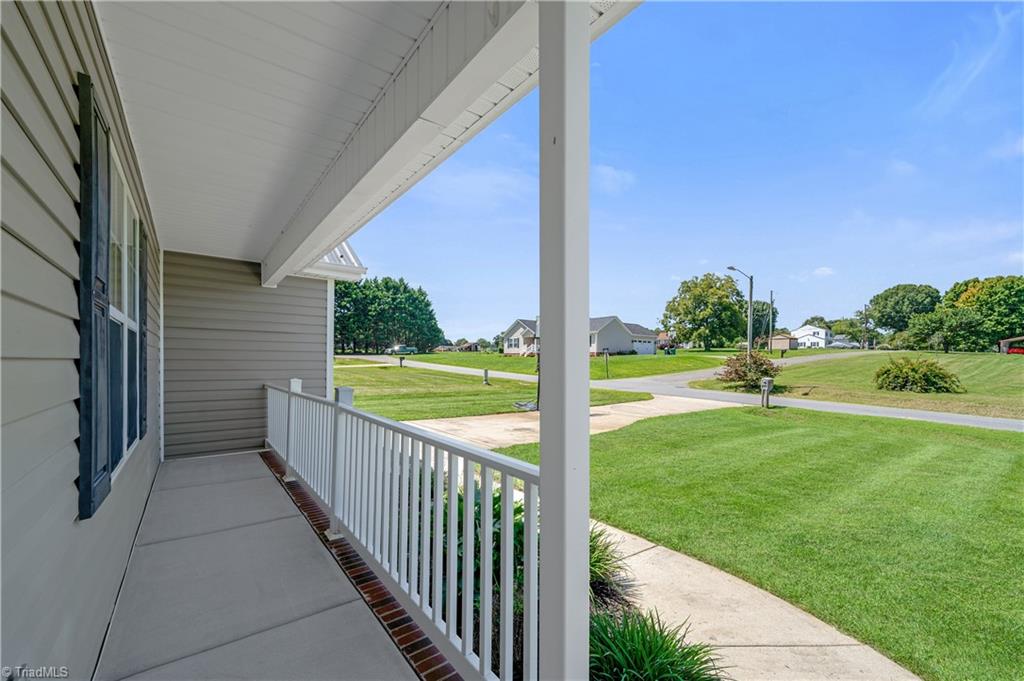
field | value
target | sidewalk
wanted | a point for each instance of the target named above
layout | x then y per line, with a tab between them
758	636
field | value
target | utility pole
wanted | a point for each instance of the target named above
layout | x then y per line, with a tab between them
771	318
750	308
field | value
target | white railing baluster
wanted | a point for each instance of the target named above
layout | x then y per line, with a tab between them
394	491
396	503
453	553
486	560
530	603
414	520
507	577
438	478
426	455
468	532
403	514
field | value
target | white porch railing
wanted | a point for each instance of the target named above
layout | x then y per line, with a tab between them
466	572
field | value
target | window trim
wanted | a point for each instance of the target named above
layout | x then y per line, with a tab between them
128	208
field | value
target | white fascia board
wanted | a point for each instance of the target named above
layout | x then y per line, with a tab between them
332	213
375	155
325	270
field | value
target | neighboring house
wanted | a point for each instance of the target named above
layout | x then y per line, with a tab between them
178	188
843	341
468	347
784	341
644	340
664	340
607	334
808	336
445	348
1012	346
521	337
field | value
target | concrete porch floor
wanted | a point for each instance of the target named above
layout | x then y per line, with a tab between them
228	580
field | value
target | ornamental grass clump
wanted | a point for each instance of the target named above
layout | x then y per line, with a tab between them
921	375
611	584
635	646
747	372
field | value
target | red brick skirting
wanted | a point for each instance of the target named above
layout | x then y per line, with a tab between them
425	659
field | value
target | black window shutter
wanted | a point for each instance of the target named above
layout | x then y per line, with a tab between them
93	303
143	331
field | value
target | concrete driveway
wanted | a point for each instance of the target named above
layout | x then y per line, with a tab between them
504	430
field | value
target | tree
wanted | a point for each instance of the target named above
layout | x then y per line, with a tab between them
952	296
374	313
892	308
999	302
764	320
483	343
816	320
499	342
946	328
706	310
460	341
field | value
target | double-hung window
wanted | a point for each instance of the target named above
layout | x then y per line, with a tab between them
112	311
124	318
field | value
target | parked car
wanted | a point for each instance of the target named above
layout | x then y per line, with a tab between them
401	350
846	345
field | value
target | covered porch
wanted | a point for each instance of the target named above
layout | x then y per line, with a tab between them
228	579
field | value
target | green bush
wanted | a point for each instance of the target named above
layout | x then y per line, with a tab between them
747	372
634	646
611	584
920	375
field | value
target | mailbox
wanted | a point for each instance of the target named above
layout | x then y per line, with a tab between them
767	383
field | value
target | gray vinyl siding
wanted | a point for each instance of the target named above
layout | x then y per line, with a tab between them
60	575
226	337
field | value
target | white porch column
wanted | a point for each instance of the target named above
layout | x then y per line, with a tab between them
564	314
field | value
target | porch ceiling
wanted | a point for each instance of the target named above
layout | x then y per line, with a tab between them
271	131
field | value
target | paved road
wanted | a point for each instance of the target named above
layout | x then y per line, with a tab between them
679	385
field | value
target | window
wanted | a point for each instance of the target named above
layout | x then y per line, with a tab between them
123	362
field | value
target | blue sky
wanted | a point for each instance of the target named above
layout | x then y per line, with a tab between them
832	150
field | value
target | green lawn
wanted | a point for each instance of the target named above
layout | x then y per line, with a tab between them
619	366
994	383
907	535
353	361
406	394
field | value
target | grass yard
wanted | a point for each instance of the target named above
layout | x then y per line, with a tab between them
352	361
405	394
907	535
994	383
619	366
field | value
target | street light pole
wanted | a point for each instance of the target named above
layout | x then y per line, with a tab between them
750	309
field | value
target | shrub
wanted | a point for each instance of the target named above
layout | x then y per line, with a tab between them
920	375
635	645
611	584
748	372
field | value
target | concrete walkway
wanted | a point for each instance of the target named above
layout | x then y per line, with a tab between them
227	580
758	636
503	430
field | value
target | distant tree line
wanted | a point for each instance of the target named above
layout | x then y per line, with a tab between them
710	311
373	314
971	316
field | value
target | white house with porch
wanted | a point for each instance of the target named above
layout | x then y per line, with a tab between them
808	336
179	182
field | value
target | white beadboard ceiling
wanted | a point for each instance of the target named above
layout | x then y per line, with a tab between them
245	115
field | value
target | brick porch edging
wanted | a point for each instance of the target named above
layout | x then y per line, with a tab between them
424	658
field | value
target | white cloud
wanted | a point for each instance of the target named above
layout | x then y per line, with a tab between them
974	232
610	180
477	189
1008	150
703	261
823	271
899	167
969	62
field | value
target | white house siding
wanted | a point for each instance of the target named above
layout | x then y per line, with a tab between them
520	341
60	576
808	336
613	337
